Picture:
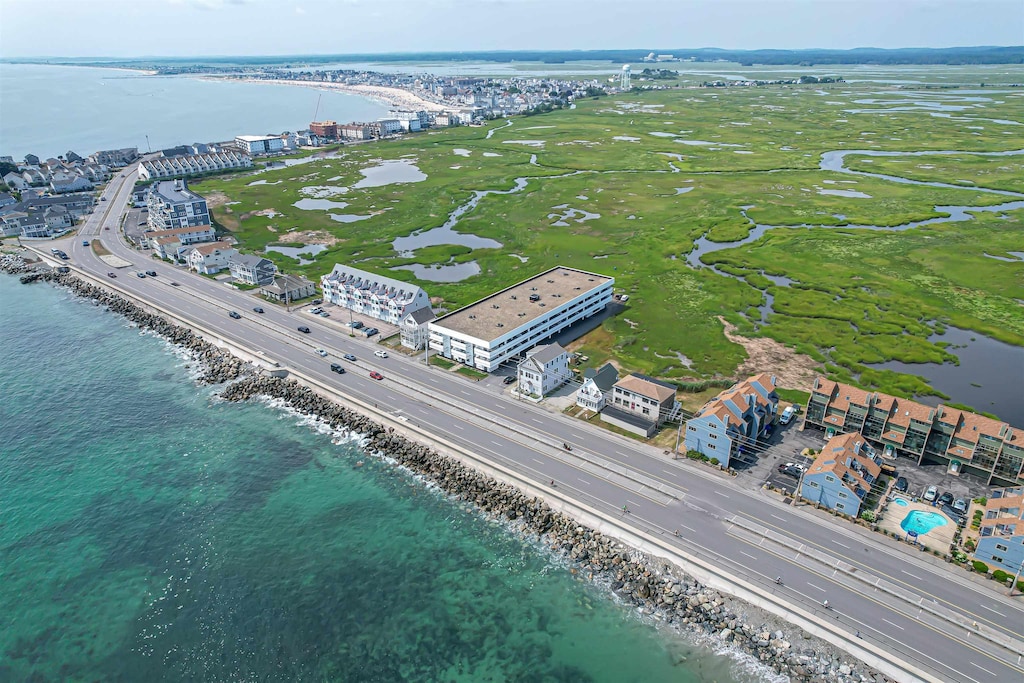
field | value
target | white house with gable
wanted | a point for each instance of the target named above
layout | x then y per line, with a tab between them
545	369
597	386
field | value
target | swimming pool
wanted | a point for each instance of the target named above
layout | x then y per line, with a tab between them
922	521
902	502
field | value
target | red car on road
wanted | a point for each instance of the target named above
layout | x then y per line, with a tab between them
376	375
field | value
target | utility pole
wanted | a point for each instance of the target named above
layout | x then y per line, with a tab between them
679	432
1016	578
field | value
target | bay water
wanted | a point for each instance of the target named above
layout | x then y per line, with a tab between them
152	532
47	110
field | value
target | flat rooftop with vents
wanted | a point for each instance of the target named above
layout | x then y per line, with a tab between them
486	333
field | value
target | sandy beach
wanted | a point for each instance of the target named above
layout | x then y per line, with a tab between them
395	97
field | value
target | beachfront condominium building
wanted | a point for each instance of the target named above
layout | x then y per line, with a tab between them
961	441
1001	541
192	164
172	205
734	419
842	475
259	144
493	330
376	296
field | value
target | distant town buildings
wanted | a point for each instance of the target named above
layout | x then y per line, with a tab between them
325	129
171	244
489	332
115	158
172	205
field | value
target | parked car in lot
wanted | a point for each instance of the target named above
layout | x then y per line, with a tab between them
324	314
931	494
303	329
321	352
315	311
787	415
376	375
234	314
335	367
791	470
349	356
946	498
256	309
355	324
370	331
960	505
902	485
380	353
509	380
889	468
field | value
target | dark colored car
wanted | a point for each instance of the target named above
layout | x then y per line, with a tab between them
85	243
151	273
257	309
946	498
303	329
234	314
370	331
335	367
62	255
140	274
175	284
509	380
902	485
376	375
111	274
349	356
792	471
317	301
355	324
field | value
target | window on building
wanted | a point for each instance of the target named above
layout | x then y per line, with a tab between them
829	478
840	506
1001	547
842	494
996	558
691	428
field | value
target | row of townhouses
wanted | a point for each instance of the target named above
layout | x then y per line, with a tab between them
42	217
193	164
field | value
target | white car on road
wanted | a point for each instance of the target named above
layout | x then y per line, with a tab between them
381	353
321	352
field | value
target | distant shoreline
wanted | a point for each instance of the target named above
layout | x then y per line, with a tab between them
394	97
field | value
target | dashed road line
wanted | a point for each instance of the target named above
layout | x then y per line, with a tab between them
892	624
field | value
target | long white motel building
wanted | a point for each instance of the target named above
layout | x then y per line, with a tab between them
487	333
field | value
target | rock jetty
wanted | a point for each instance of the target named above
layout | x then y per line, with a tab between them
651	585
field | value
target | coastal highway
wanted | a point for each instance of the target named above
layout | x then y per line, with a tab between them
926	617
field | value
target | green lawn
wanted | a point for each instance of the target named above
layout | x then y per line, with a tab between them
614	187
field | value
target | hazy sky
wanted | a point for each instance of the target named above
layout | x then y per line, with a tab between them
131	28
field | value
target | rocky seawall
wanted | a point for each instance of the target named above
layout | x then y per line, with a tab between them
658	589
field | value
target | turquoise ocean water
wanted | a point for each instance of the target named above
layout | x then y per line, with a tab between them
150	532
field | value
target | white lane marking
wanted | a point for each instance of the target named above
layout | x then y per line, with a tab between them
892	624
624	455
585	481
575	436
909	574
456	426
811	585
719	493
753	557
982	668
536	420
992	610
781	519
496	443
683	526
539	462
841	544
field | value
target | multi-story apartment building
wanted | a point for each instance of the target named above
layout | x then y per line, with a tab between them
172	205
733	419
841	477
325	129
259	144
493	330
962	441
379	297
1002	530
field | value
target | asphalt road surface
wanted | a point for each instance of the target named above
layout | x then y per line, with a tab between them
933	618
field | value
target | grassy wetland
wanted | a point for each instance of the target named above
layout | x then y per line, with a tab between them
706	205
